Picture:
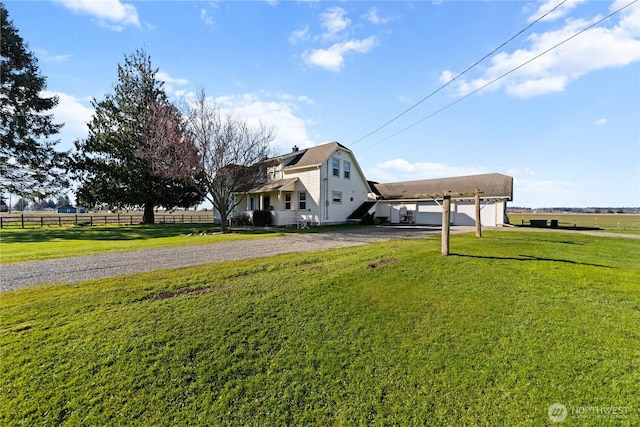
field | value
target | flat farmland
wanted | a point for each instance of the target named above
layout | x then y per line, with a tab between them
609	222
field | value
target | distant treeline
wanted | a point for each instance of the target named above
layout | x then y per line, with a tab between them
609	210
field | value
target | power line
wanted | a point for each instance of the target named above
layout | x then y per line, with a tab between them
505	74
459	75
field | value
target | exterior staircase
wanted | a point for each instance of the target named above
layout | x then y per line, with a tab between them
362	210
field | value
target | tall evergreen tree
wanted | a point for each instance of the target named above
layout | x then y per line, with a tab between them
29	164
109	164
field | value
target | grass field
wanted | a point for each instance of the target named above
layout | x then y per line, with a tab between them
59	242
383	334
609	222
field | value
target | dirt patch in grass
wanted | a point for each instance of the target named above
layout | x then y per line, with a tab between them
384	262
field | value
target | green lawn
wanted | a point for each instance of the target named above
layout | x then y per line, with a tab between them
32	244
383	334
621	223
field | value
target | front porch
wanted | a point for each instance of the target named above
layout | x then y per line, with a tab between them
286	199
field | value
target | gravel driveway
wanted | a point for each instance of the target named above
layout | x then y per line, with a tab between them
69	270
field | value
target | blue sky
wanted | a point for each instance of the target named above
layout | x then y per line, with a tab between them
566	125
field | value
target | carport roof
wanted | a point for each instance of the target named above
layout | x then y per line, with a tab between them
492	185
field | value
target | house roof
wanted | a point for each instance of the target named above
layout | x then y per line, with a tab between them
313	156
280	184
492	185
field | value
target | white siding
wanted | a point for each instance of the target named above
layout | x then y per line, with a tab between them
430	213
309	181
383	210
354	190
465	213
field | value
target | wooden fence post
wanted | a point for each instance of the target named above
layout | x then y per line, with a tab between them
22	220
446	215
478	219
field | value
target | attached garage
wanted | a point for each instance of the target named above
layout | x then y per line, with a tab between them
415	202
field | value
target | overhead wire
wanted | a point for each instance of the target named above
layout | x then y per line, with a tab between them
505	74
459	74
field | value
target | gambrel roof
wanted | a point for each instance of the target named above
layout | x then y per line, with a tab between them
492	185
311	157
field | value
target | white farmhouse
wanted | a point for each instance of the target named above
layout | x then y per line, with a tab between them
324	185
319	185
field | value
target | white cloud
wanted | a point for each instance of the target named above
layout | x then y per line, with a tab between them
332	59
300	35
333	21
165	77
544	193
600	47
170	84
112	14
601	122
548	5
373	17
45	56
73	113
273	109
206	18
336	33
521	171
397	170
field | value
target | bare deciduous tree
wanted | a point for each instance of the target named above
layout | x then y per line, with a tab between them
225	154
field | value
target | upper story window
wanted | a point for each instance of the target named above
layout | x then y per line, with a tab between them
347	170
336	167
302	200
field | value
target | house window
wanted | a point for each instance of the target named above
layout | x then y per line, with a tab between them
252	204
287	201
336	167
336	196
302	200
347	170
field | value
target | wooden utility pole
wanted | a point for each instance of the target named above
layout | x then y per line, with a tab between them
446	215
446	212
478	220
